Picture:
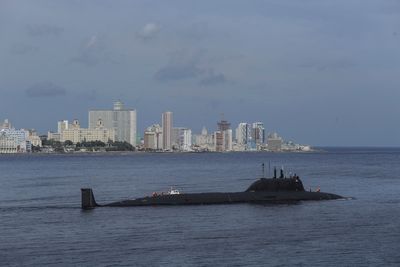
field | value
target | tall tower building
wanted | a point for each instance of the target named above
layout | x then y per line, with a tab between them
223	125
223	137
182	138
122	120
258	134
243	133
167	124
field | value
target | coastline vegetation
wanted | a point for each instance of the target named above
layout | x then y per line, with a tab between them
85	146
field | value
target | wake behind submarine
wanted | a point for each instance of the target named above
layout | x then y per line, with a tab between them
264	190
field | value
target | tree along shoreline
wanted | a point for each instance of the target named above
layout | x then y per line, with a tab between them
51	146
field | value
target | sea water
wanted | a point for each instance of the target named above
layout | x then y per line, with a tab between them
41	223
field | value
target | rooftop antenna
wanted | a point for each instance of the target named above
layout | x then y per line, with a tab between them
269	168
263	169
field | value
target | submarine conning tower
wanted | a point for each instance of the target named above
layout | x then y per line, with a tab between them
87	199
276	184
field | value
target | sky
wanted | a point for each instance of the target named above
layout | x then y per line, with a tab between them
324	73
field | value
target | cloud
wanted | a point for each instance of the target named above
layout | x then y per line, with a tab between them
177	72
88	96
92	42
185	65
212	78
44	30
327	64
45	89
196	31
149	31
23	49
94	51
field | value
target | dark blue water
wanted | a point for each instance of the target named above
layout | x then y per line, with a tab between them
41	222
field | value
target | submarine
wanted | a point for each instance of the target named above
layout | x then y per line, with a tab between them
264	190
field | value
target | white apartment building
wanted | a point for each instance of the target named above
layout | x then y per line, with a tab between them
182	138
122	120
243	136
12	140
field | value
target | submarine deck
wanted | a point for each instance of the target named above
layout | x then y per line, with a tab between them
225	198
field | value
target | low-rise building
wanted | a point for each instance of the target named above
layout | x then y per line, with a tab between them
54	136
34	138
274	142
12	140
76	134
204	141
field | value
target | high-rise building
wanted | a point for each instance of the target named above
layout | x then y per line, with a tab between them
167	124
218	141
149	140
258	133
228	140
153	137
122	120
223	125
243	133
223	137
182	138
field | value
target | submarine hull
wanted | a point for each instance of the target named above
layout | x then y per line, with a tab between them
225	198
263	190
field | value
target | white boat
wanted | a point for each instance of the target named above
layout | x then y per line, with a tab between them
173	191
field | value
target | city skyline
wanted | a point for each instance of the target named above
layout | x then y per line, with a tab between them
321	73
110	130
166	116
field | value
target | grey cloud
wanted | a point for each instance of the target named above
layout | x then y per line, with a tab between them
177	72
149	31
44	30
196	31
45	89
324	65
89	95
86	58
93	52
23	49
185	65
213	78
182	65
